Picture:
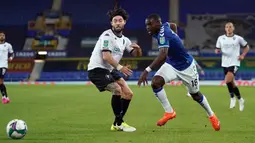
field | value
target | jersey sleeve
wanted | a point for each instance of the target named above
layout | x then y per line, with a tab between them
106	43
163	40
128	45
10	50
218	43
242	42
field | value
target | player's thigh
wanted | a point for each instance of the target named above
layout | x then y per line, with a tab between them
230	73
190	78
101	78
127	93
114	88
167	72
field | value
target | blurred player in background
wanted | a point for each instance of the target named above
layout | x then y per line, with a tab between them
104	66
176	64
5	51
229	45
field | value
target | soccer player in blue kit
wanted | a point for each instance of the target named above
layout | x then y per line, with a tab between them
175	63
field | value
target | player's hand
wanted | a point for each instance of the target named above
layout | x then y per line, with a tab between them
11	58
240	58
143	78
173	26
126	77
135	46
137	49
202	72
126	70
217	51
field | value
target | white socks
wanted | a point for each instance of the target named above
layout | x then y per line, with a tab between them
161	95
204	103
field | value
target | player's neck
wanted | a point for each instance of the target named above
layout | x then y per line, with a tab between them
2	42
229	34
118	34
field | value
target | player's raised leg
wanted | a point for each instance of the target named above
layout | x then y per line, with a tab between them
163	75
191	80
201	99
5	98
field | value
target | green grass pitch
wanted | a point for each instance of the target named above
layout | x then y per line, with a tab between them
80	114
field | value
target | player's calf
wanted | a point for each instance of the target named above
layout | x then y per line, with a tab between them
116	101
229	82
157	86
127	95
5	98
201	99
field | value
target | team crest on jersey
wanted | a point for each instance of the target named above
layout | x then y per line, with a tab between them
106	43
162	40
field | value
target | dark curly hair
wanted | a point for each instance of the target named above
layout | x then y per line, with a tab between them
118	11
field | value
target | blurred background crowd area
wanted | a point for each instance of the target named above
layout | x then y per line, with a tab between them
68	31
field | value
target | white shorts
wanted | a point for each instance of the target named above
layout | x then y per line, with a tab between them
189	76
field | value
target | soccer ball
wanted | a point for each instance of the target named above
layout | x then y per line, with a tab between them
16	129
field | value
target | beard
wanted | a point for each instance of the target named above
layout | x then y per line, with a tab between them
117	29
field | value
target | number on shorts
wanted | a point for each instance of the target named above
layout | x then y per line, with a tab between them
194	83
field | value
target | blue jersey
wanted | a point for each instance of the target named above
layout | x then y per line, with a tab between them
177	54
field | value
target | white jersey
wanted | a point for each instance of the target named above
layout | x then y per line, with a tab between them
5	49
108	41
230	49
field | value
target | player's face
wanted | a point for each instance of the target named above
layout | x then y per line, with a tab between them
152	26
229	28
118	23
2	37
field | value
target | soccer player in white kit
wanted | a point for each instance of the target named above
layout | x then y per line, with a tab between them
104	67
229	45
5	51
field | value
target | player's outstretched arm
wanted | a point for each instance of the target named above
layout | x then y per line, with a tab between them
160	58
157	62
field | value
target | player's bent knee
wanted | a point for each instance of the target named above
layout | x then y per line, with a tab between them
229	77
196	96
118	90
157	82
128	95
1	81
